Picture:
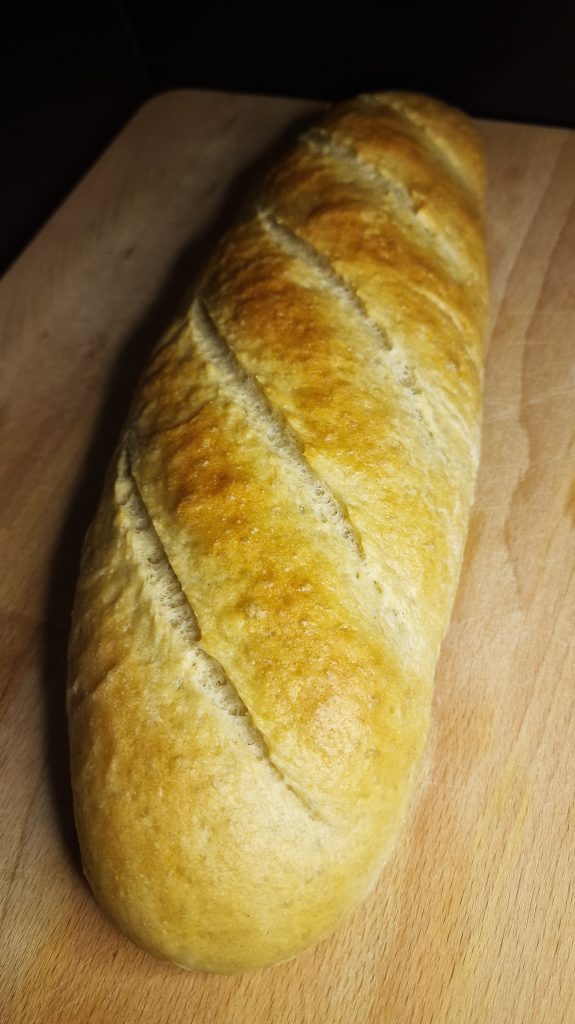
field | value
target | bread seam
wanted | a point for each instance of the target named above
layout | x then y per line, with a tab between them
208	674
244	390
449	163
280	437
428	294
333	282
399	200
326	273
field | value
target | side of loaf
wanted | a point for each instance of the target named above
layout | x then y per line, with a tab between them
267	582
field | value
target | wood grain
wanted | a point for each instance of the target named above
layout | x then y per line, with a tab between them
473	920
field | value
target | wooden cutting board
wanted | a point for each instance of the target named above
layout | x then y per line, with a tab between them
474	918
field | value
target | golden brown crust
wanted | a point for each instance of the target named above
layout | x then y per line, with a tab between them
268	580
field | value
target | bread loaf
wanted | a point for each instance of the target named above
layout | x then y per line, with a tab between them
265	587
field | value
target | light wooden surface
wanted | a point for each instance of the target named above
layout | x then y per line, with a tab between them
474	918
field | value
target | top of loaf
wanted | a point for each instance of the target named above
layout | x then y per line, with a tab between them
269	577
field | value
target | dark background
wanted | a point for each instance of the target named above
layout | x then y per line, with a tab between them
71	76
